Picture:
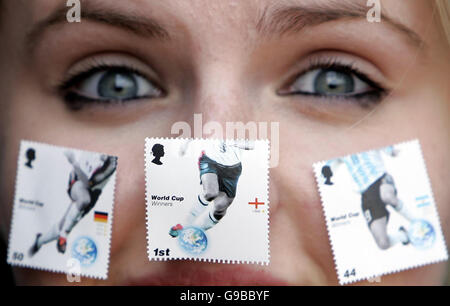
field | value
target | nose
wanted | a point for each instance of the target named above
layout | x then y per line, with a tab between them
222	94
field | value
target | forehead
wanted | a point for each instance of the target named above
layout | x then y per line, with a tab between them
226	17
210	10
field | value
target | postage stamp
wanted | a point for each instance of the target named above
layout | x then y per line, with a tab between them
63	209
380	212
207	200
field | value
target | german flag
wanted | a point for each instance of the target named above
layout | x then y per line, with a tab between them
100	217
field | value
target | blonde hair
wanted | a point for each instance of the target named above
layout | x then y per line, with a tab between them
443	7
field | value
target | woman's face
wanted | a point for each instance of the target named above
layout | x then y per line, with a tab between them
230	61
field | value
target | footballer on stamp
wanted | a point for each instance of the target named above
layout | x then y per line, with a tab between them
198	196
380	212
62	210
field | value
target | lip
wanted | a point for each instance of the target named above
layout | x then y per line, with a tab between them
197	274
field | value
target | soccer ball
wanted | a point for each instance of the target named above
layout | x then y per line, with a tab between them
84	250
193	240
421	234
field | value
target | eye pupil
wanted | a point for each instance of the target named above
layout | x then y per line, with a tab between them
117	85
333	82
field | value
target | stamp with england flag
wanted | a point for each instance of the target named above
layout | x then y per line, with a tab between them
207	200
62	211
380	212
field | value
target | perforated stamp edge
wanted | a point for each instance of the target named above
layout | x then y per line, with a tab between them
102	276
316	171
147	160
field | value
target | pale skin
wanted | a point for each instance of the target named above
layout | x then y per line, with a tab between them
218	62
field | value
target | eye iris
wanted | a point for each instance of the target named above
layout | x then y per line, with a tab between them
333	82
117	85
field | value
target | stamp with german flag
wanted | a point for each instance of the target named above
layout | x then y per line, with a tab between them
63	207
100	216
101	221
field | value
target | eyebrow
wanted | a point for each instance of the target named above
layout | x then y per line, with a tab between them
142	26
293	19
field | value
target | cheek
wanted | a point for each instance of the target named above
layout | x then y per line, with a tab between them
298	229
435	151
12	131
129	211
303	143
7	172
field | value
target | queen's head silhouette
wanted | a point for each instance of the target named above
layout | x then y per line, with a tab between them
158	152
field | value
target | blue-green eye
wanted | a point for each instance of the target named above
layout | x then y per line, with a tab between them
110	84
115	85
333	82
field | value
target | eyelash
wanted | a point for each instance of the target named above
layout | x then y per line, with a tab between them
76	101
366	99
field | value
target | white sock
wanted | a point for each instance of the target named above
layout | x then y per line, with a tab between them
206	220
403	210
397	237
49	236
197	208
72	217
